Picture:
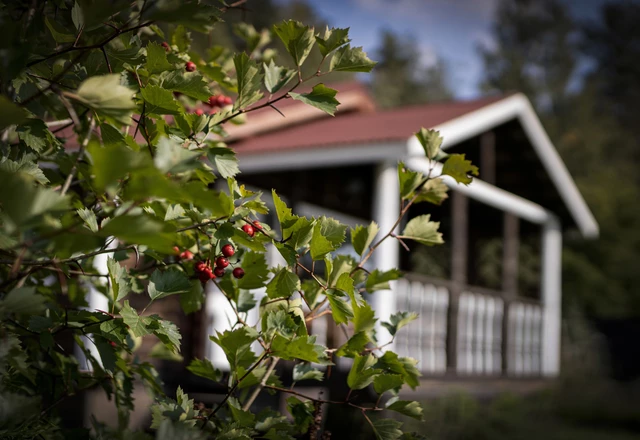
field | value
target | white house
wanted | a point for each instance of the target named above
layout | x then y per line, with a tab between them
346	165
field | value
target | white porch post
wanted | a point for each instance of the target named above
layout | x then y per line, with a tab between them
551	295
386	208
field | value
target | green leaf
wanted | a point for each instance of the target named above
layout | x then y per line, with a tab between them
204	368
351	59
10	113
422	230
320	97
119	285
302	347
156	58
408	408
430	141
249	81
35	135
434	191
181	38
107	354
340	310
361	374
159	101
255	269
279	321
225	161
22	200
332	39
188	83
168	282
22	301
409	181
166	331
24	165
390	362
236	345
174	212
192	300
387	429
89	218
193	14
302	412
283	284
297	38
77	16
172	157
457	167
364	318
108	97
378	280
399	320
142	230
362	237
109	164
354	346
111	136
333	230
246	301
386	382
136	323
306	372
161	351
319	245
58	32
275	77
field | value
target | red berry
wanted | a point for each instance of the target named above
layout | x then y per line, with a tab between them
166	46
176	249
249	230
228	250
199	112
257	224
238	272
200	265
206	275
186	255
221	100
113	344
219	271
190	66
222	262
228	100
213	111
213	100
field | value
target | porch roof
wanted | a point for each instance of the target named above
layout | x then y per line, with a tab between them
357	128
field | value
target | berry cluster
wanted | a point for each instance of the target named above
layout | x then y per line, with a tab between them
219	100
206	273
250	229
186	255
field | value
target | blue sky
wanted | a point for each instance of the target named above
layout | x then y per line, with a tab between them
447	29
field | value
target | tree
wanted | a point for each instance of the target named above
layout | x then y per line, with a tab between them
133	182
538	46
399	79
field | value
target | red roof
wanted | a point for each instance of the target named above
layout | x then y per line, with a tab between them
359	128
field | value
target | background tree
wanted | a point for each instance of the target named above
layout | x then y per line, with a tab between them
400	79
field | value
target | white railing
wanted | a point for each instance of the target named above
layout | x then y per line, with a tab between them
479	344
426	338
480	329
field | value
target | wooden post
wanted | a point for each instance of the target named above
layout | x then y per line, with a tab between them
551	295
459	266
488	157
510	252
386	206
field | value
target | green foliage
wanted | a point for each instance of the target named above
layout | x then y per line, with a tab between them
133	182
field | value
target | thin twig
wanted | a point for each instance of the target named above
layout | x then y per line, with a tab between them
68	260
83	146
263	382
